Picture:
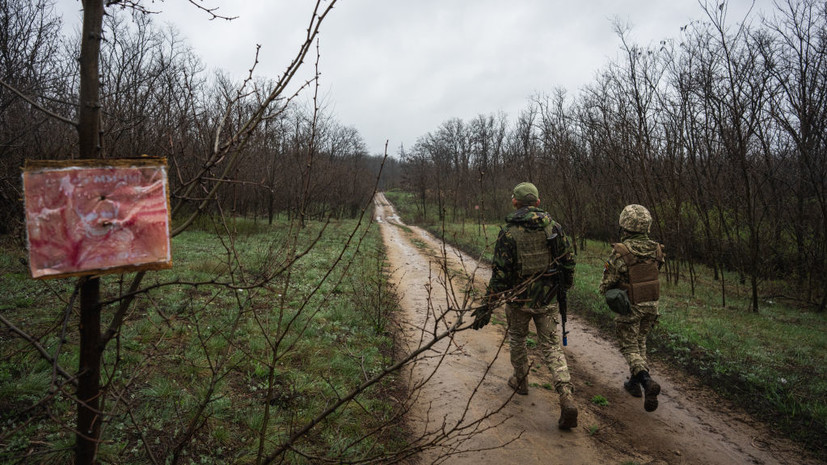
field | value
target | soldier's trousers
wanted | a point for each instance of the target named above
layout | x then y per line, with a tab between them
545	323
632	331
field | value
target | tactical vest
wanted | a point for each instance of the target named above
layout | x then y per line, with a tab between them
644	285
533	255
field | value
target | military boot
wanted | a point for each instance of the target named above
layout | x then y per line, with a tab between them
651	389
521	386
632	386
568	412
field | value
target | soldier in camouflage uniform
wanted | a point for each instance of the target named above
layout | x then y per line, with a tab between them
633	266
528	246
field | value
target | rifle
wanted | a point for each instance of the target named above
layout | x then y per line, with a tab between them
559	286
563	302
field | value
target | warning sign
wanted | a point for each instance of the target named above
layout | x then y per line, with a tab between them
96	216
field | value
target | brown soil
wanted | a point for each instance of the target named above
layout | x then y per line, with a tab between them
464	379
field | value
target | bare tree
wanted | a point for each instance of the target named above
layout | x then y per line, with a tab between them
715	131
32	93
798	64
212	134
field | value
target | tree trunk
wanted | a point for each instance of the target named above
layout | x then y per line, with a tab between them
89	109
89	419
90	146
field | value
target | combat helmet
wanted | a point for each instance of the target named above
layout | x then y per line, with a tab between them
635	218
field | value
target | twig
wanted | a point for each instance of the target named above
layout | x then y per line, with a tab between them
36	105
45	354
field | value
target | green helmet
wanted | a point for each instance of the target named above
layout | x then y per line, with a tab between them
635	218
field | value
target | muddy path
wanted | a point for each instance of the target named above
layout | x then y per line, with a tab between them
463	384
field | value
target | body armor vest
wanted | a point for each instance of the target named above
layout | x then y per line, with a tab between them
644	285
533	254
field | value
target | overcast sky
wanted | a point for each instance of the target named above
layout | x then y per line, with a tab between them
396	69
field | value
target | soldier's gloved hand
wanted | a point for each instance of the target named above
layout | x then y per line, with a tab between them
482	316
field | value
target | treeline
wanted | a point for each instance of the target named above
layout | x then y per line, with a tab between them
721	133
158	99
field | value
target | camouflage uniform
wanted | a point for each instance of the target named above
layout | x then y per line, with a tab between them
646	257
632	329
506	282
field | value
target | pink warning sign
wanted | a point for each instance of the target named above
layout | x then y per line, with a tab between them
97	216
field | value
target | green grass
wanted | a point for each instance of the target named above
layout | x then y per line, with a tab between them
597	399
420	244
317	336
771	362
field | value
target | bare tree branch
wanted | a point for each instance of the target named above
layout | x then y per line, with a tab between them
43	352
36	105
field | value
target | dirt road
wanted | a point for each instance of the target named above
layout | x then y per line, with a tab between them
464	385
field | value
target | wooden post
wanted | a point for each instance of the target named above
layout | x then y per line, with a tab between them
89	415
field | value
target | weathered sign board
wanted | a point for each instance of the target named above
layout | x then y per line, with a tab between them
86	217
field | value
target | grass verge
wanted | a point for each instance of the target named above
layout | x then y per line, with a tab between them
209	369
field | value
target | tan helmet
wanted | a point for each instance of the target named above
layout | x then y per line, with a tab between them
635	218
